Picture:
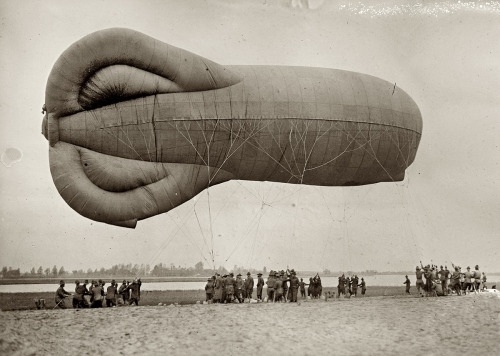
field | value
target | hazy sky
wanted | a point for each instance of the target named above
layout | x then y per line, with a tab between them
445	56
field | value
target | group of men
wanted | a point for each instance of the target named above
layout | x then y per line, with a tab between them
282	286
94	296
348	287
431	281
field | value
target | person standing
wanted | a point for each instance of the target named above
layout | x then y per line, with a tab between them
209	289
218	288
61	294
124	292
484	282
355	281
111	293
419	281
270	287
363	286
469	277
230	287
302	286
239	287
294	287
443	277
249	286
260	286
477	278
98	293
408	283
135	292
455	281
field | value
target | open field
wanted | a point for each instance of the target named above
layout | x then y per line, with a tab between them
24	301
359	326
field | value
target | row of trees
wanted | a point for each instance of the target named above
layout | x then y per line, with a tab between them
124	270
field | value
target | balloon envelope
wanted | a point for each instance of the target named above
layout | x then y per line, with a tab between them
137	126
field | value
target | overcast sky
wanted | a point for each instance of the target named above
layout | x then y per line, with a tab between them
445	56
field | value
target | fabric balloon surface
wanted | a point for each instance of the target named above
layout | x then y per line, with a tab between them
137	127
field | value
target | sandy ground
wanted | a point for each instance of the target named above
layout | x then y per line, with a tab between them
377	325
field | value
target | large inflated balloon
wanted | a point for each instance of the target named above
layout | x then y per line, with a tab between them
137	127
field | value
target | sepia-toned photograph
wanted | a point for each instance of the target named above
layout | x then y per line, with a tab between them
207	177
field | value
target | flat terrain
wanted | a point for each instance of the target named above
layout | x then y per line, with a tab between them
358	326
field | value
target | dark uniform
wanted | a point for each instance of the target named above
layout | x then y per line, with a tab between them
124	292
98	293
249	286
302	286
218	289
355	285
239	285
407	282
260	286
135	292
111	293
61	294
294	287
270	287
209	289
229	287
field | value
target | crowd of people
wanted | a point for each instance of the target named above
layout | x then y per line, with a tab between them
93	297
282	286
432	280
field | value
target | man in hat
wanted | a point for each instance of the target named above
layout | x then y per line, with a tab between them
477	278
111	293
455	280
355	281
124	292
218	288
98	293
209	289
278	287
284	282
468	281
419	282
408	283
230	286
80	291
135	292
249	285
61	294
294	286
363	287
239	285
270	287
443	278
260	286
302	286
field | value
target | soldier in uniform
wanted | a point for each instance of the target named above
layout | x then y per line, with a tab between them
111	293
294	287
270	287
98	293
408	283
61	294
284	284
443	277
124	292
355	281
477	278
468	281
224	294
135	291
230	286
419	283
302	286
249	286
363	286
455	281
218	289
278	287
209	289
260	286
239	285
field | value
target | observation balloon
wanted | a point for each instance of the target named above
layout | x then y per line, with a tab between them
137	127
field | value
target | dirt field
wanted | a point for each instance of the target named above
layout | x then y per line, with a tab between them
366	326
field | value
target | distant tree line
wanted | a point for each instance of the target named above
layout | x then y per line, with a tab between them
125	270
